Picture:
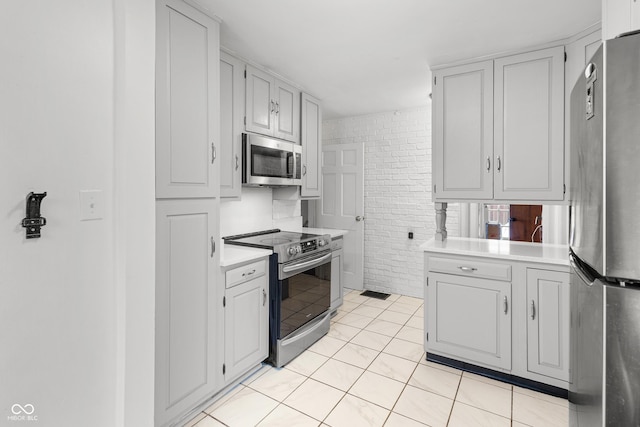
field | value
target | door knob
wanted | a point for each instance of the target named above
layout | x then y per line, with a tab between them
359	218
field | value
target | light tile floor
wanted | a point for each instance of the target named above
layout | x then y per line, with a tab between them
370	370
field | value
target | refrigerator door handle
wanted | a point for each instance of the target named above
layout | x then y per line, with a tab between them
587	281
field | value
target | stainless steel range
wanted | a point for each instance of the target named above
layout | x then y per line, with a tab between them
299	289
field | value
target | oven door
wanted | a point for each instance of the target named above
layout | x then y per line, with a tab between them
304	286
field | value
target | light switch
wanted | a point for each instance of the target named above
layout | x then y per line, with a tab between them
91	204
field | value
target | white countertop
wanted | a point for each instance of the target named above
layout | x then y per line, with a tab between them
232	254
503	249
334	232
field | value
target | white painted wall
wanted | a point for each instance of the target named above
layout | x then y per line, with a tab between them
76	306
397	185
253	212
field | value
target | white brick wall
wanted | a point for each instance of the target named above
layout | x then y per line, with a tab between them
397	194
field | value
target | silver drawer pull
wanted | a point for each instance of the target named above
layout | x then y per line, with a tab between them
506	305
533	310
264	297
249	273
467	269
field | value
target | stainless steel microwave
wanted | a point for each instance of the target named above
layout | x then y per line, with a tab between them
270	162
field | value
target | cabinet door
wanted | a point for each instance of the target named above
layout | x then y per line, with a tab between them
336	280
187	102
529	126
246	326
231	125
287	99
311	146
187	362
260	105
470	319
548	323
463	132
619	16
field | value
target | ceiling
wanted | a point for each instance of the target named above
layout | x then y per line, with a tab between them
368	56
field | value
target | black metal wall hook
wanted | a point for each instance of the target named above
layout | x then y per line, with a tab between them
34	221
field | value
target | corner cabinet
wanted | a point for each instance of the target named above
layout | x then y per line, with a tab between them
272	106
506	315
246	318
231	125
311	138
499	129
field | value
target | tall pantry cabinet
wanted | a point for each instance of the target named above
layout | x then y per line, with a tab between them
188	361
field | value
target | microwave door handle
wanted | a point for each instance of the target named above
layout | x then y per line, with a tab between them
290	165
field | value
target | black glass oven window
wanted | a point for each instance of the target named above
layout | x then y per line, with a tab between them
305	296
270	162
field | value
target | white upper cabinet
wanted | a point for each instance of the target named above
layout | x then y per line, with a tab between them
231	125
272	106
499	129
529	126
187	102
463	131
311	139
619	16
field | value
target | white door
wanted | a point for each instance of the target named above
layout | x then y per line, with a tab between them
342	204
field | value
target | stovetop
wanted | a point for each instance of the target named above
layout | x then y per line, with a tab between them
287	244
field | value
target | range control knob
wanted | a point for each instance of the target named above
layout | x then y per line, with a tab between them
291	250
321	242
298	249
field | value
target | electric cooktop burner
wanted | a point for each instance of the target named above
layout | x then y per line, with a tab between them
287	244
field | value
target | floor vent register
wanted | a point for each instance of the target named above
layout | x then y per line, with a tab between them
374	294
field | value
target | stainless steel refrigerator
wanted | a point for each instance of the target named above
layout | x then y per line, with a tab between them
605	238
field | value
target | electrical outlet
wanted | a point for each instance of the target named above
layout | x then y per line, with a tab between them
411	234
91	205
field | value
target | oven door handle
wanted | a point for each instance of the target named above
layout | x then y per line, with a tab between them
305	265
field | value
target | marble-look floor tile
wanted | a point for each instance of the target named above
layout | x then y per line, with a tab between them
342	332
347	306
263	370
485	396
423	361
383	327
327	346
405	349
380	303
355	320
397	420
436	381
393	297
552	399
487	380
377	389
193	421
414	335
393	367
355	412
367	310
355	297
306	363
465	415
244	408
403	308
337	374
416	322
314	398
536	412
371	340
357	355
338	315
394	316
410	300
420	312
207	421
278	383
426	407
286	416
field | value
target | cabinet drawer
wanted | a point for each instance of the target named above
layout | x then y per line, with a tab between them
244	273
471	268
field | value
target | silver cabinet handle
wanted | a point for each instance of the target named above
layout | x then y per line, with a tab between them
249	273
499	164
359	218
277	108
264	297
237	162
467	269
304	170
488	163
213	152
213	246
273	106
533	310
505	303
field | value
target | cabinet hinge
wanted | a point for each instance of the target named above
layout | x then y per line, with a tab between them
434	80
427	336
245	73
427	281
564	188
434	188
565	57
224	301
245	120
224	369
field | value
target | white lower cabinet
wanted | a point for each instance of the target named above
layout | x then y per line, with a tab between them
509	316
246	318
548	323
337	286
